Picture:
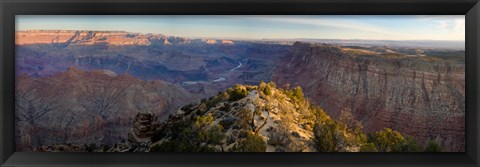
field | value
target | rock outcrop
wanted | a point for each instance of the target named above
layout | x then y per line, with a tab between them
421	97
275	119
139	138
144	126
211	41
227	42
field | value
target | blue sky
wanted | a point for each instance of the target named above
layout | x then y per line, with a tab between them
387	27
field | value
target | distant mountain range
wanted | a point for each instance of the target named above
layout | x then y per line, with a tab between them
424	44
125	38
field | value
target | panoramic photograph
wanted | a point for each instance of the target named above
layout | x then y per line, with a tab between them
240	83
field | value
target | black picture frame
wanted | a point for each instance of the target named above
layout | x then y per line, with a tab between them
10	8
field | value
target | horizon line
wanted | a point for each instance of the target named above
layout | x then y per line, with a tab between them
244	38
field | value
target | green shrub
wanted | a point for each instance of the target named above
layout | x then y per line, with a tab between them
205	132
212	102
236	93
244	117
324	137
187	108
298	93
368	147
252	143
433	146
388	140
272	84
267	91
410	145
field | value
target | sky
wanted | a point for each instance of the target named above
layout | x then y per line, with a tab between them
369	27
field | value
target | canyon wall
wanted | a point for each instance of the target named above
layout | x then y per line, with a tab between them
83	107
113	38
419	97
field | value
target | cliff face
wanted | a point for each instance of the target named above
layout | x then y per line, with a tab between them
82	37
113	38
199	67
86	107
416	96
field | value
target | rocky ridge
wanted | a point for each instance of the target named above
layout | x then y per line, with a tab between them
272	118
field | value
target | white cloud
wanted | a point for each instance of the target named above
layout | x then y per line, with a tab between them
344	24
452	26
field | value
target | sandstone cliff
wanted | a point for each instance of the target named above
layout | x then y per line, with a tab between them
113	38
417	96
81	37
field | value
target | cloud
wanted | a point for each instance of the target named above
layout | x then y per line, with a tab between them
452	26
334	23
435	27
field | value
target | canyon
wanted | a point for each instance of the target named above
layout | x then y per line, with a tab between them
79	86
147	56
421	97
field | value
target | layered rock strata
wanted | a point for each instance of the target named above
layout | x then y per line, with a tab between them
145	124
92	107
422	98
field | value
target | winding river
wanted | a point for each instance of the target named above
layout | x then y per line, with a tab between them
220	79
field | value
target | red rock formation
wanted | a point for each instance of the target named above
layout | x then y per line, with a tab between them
88	106
227	42
80	37
419	98
112	38
211	41
166	42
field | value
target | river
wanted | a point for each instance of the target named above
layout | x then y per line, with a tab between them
220	79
